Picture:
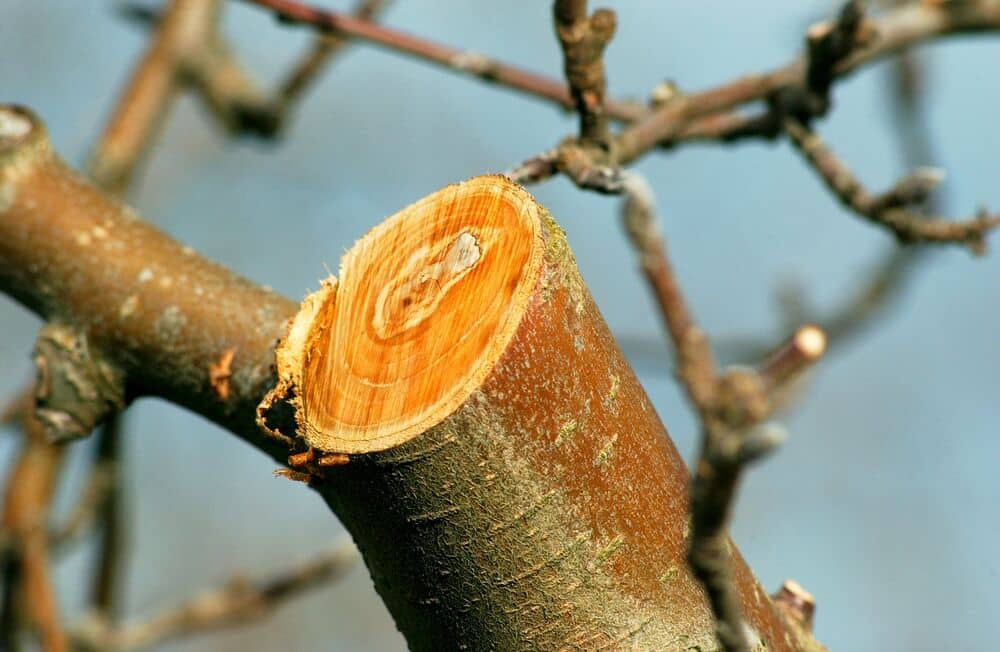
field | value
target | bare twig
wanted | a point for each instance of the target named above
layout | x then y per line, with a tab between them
895	31
84	515
110	559
805	347
583	39
886	279
25	510
322	50
186	51
462	61
153	84
732	406
695	362
237	601
885	210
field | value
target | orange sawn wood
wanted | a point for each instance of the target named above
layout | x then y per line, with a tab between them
509	484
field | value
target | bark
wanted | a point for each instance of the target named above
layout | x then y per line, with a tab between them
533	499
151	307
26	506
526	496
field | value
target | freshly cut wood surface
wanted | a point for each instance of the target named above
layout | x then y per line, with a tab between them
424	305
491	451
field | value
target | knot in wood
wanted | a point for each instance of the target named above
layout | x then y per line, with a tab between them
411	297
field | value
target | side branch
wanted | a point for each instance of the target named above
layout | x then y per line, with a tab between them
583	39
322	50
27	500
890	209
893	32
732	406
462	61
162	316
238	601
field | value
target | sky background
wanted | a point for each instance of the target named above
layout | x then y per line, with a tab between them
883	503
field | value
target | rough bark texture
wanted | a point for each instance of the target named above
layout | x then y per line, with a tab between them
549	510
155	309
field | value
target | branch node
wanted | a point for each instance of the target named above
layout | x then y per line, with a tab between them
741	398
587	167
827	45
77	388
911	190
760	441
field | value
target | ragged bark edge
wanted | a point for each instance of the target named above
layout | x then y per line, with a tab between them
295	348
290	359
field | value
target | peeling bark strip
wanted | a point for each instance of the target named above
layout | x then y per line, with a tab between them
509	483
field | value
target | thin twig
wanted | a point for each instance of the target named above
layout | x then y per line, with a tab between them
885	210
140	112
886	280
186	51
462	61
107	579
893	32
235	602
695	362
732	406
322	50
83	518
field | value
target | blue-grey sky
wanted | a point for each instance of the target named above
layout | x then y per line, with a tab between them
883	502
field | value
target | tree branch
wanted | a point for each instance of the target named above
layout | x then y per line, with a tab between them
462	61
106	581
236	602
323	49
27	499
583	39
895	31
186	50
166	318
141	109
889	209
732	406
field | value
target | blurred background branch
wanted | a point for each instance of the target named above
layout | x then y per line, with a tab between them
194	57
